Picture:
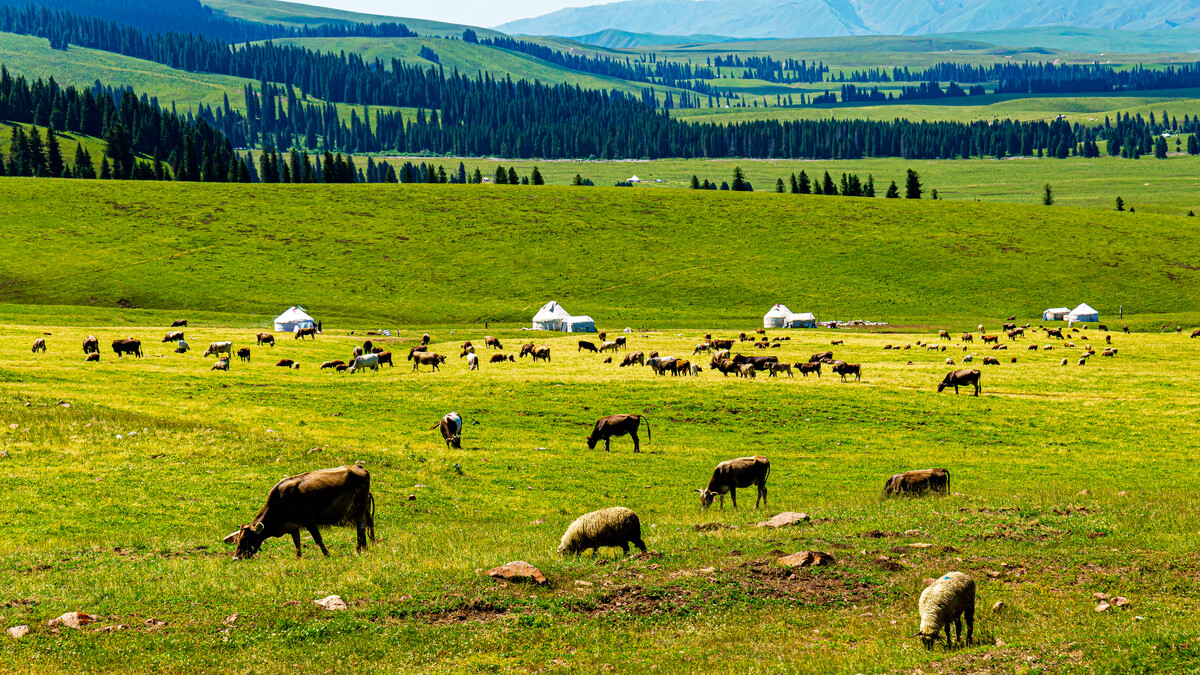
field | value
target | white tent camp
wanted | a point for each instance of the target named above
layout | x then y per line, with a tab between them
634	179
1056	314
293	320
776	317
802	320
1083	313
552	316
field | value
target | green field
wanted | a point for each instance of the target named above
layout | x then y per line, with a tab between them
123	476
297	14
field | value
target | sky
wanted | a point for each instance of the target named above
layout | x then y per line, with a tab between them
485	13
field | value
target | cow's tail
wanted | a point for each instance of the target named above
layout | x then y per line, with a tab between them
371	516
647	421
435	426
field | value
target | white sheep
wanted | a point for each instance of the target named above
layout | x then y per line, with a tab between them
614	526
947	600
968	358
949	361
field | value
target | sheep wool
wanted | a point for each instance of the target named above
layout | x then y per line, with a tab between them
943	603
614	526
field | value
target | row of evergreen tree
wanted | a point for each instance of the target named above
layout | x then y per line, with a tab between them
1028	77
851	185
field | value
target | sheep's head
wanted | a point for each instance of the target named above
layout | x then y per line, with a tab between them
927	639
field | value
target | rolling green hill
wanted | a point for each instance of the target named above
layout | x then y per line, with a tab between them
440	254
296	14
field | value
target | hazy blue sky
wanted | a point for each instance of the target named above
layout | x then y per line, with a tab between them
485	13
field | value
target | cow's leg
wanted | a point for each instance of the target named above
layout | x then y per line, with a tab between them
316	535
296	541
733	496
956	390
636	446
606	438
762	494
977	387
362	534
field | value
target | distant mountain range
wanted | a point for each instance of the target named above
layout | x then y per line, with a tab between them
827	18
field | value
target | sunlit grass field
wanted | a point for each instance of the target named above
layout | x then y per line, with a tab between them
1066	481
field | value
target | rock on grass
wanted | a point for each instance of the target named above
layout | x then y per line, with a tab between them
518	571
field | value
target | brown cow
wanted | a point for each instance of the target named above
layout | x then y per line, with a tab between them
491	342
602	335
332	364
468	350
451	427
340	496
39	345
806	368
501	358
91	345
540	353
425	339
415	350
760	331
617	425
385	357
244	354
467	344
991	338
127	346
742	337
944	334
632	358
777	368
620	340
968	337
837	342
726	366
427	359
305	332
1194	333
722	344
916	482
991	361
1054	332
266	339
179	323
173	336
367	347
822	357
845	369
526	348
681	367
746	370
737	473
960	378
285	363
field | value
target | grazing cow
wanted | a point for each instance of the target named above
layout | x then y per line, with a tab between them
737	473
722	344
472	362
760	331
414	350
760	345
425	339
806	368
916	482
341	368
652	355
944	334
218	348
721	354
427	359
991	338
777	368
584	344
681	367
845	369
837	342
305	332
1032	348
244	354
365	361
1109	352
182	347
1083	361
1054	333
960	378
491	342
658	363
179	323
468	350
1101	326
91	345
92	357
607	359
617	425
742	337
540	353
266	339
724	365
759	362
501	358
377	350
358	351
621	342
127	346
332	364
286	363
39	345
1194	333
702	347
1125	328
1069	345
386	357
746	370
1008	326
467	344
991	361
822	357
367	347
221	364
526	348
632	358
602	335
340	496
173	336
1015	333
1107	339
968	337
451	427
608	346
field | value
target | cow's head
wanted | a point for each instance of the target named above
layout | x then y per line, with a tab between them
247	539
941	386
706	497
591	441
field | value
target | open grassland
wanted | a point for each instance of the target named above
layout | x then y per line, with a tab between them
298	14
66	142
1151	186
641	257
122	477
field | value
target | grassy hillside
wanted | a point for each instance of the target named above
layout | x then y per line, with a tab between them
439	254
1092	40
297	14
66	143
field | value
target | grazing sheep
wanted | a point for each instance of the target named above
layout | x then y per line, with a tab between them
968	358
1064	362
91	345
614	526
221	364
285	363
39	345
1083	361
332	364
949	361
1013	360
1032	348
92	357
991	361
837	342
947	600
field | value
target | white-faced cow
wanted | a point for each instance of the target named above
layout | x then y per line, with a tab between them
451	427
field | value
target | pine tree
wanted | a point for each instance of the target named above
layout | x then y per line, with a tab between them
893	192
1160	148
1120	204
54	158
739	180
118	146
779	187
501	177
870	189
1193	146
805	184
1047	195
83	163
535	177
695	182
36	153
524	180
827	186
478	176
512	176
105	172
912	185
577	180
795	185
462	172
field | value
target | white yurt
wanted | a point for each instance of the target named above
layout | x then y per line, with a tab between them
293	320
551	317
1056	314
581	324
1083	314
801	320
777	317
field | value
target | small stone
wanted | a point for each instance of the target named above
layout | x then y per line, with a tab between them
583	584
1102	606
332	603
72	620
999	642
18	631
999	607
919	544
1101	596
155	623
64	404
1082	493
518	571
707	570
806	559
1122	493
14	427
786	518
228	621
539	521
1120	601
912	533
